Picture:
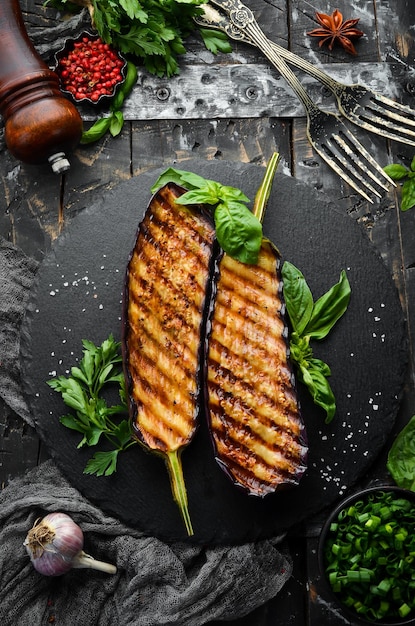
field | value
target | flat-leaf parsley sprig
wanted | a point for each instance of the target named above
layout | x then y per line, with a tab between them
82	391
313	320
152	32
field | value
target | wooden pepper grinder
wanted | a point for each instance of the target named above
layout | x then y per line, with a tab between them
41	124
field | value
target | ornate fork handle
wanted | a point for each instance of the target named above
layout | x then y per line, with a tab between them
237	24
326	131
241	25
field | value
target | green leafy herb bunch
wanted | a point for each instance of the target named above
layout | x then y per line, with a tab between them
405	175
84	392
152	31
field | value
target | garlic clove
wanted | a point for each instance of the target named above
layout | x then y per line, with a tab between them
55	546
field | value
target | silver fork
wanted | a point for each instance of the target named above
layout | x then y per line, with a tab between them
360	105
330	138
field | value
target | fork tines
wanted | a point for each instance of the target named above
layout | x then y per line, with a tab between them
388	118
350	159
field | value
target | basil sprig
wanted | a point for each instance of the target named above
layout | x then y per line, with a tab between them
238	231
401	457
406	175
313	320
114	122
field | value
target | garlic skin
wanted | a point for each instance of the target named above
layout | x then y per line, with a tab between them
55	544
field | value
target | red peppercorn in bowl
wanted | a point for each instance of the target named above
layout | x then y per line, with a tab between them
89	70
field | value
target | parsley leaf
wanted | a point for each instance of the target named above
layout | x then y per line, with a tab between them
215	41
152	31
102	463
82	391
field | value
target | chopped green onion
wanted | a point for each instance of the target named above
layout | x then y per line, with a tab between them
369	554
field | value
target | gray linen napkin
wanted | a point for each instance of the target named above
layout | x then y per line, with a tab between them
156	584
16	275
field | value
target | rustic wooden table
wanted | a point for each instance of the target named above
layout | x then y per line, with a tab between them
251	115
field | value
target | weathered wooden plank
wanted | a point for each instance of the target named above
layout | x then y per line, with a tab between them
247	91
29	204
252	141
95	168
393	28
19	445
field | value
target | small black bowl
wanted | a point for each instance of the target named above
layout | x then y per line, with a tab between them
351	613
67	48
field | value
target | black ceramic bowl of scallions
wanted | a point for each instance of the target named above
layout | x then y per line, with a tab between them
367	556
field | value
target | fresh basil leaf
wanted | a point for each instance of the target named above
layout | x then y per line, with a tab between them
96	131
298	297
198	196
229	194
300	350
179	177
320	365
117	122
408	194
319	388
396	171
401	457
329	308
238	231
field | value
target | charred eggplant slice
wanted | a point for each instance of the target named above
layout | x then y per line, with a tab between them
167	282
253	409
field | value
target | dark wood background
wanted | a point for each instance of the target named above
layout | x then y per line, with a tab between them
247	119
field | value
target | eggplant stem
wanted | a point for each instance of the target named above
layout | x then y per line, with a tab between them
83	560
264	190
175	469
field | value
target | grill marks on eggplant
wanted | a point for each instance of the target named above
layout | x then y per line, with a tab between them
189	324
168	275
253	410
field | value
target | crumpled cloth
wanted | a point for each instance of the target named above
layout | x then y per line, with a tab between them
157	584
16	275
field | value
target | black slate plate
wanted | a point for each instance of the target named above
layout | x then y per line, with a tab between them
77	296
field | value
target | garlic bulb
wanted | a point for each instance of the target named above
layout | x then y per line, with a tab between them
55	545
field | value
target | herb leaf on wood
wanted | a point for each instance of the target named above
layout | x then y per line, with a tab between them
405	175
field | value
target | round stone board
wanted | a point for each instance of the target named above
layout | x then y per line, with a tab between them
77	295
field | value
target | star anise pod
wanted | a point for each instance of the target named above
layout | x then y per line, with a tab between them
334	28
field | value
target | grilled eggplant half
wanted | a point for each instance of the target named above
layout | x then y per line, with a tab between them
253	410
167	282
